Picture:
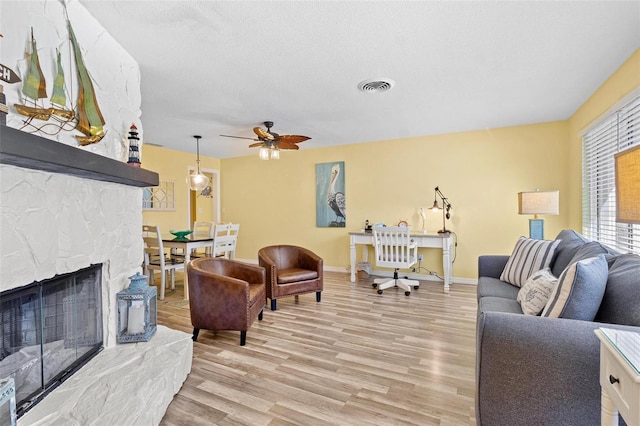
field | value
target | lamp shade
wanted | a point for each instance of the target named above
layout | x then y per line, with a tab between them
628	186
197	181
539	202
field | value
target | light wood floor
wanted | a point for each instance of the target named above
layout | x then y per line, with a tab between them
356	358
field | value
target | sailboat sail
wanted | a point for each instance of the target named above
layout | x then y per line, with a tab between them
90	121
35	86
58	96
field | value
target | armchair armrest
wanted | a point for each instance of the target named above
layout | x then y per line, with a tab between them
246	272
491	265
309	260
536	370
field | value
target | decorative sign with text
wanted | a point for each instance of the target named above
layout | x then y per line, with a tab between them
7	74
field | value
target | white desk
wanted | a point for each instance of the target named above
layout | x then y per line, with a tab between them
443	241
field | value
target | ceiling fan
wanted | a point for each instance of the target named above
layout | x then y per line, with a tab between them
272	140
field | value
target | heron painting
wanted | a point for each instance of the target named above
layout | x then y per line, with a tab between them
330	195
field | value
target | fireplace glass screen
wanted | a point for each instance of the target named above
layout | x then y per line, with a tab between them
48	330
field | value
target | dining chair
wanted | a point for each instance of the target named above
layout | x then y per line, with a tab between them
205	229
225	239
394	248
156	259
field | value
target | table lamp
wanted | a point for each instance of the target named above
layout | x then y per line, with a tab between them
628	185
535	203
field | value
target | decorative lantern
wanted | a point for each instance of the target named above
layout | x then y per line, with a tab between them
134	148
137	311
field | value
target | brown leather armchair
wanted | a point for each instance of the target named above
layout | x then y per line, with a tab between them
225	295
290	270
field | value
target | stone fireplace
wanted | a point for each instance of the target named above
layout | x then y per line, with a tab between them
54	223
64	207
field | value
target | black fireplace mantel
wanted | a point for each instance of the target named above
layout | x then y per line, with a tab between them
34	152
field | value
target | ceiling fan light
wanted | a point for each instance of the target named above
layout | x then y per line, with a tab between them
275	154
264	153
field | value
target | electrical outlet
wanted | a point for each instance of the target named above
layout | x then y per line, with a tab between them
420	257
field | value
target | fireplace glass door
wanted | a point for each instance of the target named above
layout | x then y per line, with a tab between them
48	330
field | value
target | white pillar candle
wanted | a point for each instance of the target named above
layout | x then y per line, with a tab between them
135	323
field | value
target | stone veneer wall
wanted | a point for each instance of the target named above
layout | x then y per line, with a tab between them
53	223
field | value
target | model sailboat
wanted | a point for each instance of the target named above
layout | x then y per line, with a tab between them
89	118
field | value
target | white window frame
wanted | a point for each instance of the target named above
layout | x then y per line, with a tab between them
617	131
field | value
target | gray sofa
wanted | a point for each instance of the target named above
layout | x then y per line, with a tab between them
533	370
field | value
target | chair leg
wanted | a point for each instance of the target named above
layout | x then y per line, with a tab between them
273	304
260	315
195	334
163	282
318	296
243	338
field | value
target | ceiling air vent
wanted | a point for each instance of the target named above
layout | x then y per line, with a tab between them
376	85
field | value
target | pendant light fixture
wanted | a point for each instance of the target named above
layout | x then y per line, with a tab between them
197	181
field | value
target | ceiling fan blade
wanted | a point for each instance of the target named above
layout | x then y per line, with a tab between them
288	146
239	137
293	138
254	145
262	133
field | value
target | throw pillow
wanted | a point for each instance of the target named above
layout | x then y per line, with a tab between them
579	291
528	256
535	292
587	251
570	242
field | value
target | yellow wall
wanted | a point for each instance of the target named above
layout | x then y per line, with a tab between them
172	165
480	172
622	82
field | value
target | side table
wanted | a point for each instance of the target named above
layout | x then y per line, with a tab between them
619	376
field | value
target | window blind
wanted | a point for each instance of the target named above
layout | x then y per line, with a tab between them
615	133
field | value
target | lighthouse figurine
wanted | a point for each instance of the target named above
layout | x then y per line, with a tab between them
134	148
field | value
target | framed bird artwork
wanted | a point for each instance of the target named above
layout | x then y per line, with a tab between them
331	211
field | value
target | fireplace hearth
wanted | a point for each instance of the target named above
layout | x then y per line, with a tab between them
48	330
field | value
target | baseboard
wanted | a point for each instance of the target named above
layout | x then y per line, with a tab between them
386	273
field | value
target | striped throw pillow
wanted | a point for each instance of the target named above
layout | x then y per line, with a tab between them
529	256
579	291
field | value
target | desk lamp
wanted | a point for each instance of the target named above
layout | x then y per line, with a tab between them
535	203
628	186
446	206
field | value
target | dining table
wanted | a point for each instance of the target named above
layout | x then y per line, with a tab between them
186	244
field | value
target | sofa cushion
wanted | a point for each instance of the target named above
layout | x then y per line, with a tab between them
535	292
588	250
570	241
579	290
621	300
493	287
529	255
498	304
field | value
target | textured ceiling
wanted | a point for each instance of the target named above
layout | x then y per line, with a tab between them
224	67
